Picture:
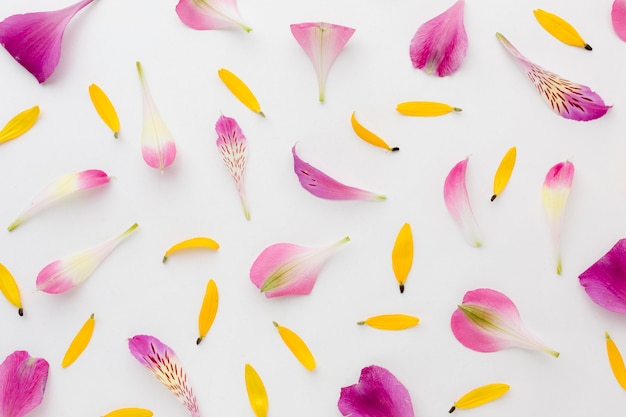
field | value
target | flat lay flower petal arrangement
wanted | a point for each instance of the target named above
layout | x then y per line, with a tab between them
404	229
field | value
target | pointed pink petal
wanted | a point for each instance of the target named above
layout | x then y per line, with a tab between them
488	321
64	274
233	147
322	43
618	18
22	383
34	39
458	203
378	394
288	269
321	185
555	190
568	99
440	45
210	14
161	360
605	280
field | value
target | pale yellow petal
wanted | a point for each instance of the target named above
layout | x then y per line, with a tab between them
391	322
208	311
425	108
504	171
79	343
297	346
105	108
19	124
240	90
193	243
256	392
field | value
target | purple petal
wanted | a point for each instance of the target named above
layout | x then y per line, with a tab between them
605	280
440	45
378	394
34	39
22	383
321	185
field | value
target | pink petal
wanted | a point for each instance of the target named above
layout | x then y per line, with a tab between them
233	147
34	39
488	321
161	360
321	185
568	99
605	280
618	18
440	45
210	14
378	394
66	273
555	190
22	383
288	269
157	143
322	43
458	204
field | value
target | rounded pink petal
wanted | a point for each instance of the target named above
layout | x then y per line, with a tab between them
22	383
209	14
618	18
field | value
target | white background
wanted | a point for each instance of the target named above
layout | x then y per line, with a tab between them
134	293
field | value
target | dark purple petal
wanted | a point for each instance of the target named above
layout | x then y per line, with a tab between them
605	280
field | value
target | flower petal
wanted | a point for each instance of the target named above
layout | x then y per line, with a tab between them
488	321
157	143
458	204
560	29
368	136
481	395
378	393
60	188
616	361
297	346
618	18
402	255
555	190
105	109
64	274
240	90
322	43
208	311
193	243
440	45
234	150
20	124
22	383
605	280
321	185
568	99
210	14
288	269
257	395
34	39
80	342
425	108
10	290
504	171
161	360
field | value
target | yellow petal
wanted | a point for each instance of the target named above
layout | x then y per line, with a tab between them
402	255
130	412
368	136
208	311
19	125
391	322
240	90
616	361
9	288
560	29
80	342
194	242
481	395
504	171
297	346
105	108
256	392
425	108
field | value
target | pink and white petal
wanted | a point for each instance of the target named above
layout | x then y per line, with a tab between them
232	144
271	258
618	18
210	14
439	46
458	203
473	337
22	383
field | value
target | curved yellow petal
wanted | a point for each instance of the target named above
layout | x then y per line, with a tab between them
368	136
297	346
79	343
194	242
208	311
19	124
402	255
616	361
425	108
480	396
504	171
240	90
256	392
9	288
391	322
130	412
560	29
105	109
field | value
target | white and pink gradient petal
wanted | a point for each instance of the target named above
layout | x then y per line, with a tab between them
210	14
458	203
233	147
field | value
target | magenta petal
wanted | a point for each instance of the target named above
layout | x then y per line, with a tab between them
378	394
605	280
440	45
34	39
210	14
618	18
22	383
323	186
